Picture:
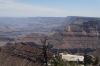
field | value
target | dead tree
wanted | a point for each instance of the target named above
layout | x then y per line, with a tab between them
44	50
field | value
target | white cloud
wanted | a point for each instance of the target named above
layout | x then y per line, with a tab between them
10	8
15	9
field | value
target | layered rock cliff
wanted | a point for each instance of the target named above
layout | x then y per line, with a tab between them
81	36
84	35
21	55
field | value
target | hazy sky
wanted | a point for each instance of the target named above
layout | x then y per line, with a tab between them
49	8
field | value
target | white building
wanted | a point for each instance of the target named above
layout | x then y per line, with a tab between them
69	57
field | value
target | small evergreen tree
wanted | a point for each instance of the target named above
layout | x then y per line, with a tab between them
58	61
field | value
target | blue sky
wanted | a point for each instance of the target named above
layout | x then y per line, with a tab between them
49	8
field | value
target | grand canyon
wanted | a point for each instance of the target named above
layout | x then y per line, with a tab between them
73	34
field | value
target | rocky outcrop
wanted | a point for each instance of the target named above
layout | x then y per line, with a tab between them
21	55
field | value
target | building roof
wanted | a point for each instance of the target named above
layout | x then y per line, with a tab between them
69	57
